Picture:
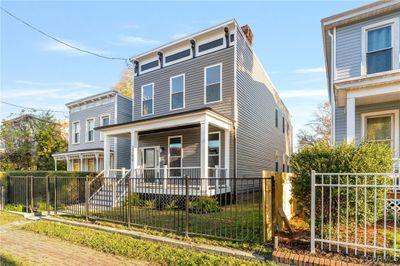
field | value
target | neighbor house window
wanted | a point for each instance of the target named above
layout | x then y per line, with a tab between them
283	124
147	99
379	53
104	121
76	132
177	90
213	88
380	129
90	130
214	148
175	155
276	118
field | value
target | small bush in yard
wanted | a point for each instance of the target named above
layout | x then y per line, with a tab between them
172	205
14	207
346	158
134	199
149	204
204	204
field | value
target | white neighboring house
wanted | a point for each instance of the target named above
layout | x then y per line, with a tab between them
363	69
85	145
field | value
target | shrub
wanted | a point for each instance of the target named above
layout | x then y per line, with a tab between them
41	206
171	205
204	204
134	198
51	173
149	204
346	158
14	207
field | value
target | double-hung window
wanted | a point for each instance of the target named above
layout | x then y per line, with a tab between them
76	132
105	121
213	84
380	47
177	91
148	99
175	155
90	130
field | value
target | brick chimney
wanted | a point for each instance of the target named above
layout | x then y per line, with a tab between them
248	33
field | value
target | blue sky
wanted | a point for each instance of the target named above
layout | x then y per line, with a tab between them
38	72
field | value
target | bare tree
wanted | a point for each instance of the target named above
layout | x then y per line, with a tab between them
319	128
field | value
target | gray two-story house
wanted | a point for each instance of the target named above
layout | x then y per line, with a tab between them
363	69
204	107
85	148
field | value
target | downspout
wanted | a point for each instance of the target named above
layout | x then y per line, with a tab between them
331	83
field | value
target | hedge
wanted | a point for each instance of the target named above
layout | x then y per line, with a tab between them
50	173
346	158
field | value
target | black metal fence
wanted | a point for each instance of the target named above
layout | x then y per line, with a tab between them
232	209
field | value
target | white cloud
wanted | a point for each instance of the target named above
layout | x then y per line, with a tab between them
136	40
310	70
302	93
54	46
178	35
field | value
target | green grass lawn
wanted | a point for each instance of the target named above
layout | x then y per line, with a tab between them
236	222
6	218
7	259
130	247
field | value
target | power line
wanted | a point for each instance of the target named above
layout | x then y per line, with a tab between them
32	108
62	42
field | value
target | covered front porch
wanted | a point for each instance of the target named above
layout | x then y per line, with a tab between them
166	151
82	160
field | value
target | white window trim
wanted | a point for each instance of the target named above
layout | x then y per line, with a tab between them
156	153
73	132
213	38
219	148
101	124
205	83
141	98
148	61
394	23
169	155
87	129
170	91
395	126
175	52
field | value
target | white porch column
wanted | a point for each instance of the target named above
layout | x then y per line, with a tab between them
80	162
96	167
106	155
227	154
68	164
204	156
134	150
351	119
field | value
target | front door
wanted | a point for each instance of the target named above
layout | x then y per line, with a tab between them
150	157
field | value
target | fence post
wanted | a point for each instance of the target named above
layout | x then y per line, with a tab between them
26	194
87	197
31	193
114	190
312	211
55	195
129	200
186	206
2	198
165	176
273	197
47	196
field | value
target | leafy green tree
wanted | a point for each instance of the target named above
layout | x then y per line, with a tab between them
29	140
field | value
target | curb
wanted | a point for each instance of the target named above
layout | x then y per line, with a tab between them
288	258
159	239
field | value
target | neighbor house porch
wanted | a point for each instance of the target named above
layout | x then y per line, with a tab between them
82	160
196	145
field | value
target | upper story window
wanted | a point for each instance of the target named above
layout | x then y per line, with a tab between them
104	121
283	124
276	118
177	92
147	99
178	56
380	46
213	86
76	132
90	130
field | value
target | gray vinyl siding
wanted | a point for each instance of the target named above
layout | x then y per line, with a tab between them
191	145
124	109
341	120
93	112
348	47
257	137
194	85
